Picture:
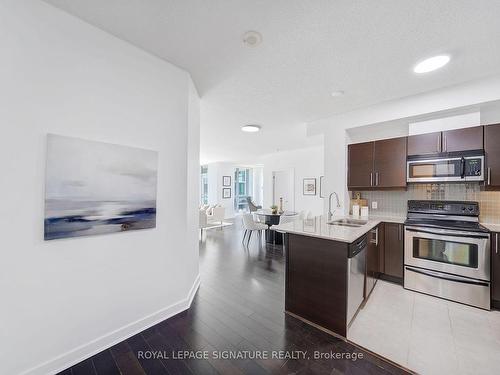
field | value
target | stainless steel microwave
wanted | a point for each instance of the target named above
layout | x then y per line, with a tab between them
446	169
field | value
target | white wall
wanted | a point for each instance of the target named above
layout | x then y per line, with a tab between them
64	300
215	173
490	113
367	133
305	163
390	119
258	185
445	123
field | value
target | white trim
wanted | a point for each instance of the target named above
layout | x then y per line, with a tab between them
82	352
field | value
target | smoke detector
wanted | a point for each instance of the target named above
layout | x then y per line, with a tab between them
252	38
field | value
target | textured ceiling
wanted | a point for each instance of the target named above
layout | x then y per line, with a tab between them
311	47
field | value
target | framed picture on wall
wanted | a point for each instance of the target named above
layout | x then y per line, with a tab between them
321	187
95	187
226	193
226	180
309	186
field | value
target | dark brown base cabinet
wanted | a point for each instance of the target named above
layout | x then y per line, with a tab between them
495	270
393	252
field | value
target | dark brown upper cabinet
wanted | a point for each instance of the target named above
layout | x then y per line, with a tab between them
377	165
448	141
463	139
492	152
390	163
424	144
360	165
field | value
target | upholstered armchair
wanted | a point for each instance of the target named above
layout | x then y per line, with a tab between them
217	215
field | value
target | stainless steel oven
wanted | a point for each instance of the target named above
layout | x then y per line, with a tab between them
447	252
455	252
446	169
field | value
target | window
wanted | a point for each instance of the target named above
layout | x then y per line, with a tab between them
204	185
242	188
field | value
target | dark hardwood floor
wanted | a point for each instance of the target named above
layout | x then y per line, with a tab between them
237	310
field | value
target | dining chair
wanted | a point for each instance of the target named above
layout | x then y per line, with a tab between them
286	219
251	226
252	206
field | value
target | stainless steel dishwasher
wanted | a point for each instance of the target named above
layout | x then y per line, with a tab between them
356	266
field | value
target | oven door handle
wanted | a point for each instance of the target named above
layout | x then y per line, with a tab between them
485	236
444	276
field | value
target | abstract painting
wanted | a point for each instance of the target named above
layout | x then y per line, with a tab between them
96	188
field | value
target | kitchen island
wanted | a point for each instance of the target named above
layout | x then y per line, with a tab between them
328	266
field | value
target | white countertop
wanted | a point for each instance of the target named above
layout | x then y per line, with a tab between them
318	227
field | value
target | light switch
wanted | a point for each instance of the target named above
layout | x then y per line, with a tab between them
374	205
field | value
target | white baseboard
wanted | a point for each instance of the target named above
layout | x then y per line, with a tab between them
82	352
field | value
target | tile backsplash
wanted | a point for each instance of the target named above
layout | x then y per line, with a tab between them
394	203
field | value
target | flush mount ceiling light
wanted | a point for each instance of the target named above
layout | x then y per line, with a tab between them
252	38
432	63
337	93
250	128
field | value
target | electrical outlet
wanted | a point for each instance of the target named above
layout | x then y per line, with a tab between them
374	205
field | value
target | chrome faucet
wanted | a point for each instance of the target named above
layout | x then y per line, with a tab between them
330	213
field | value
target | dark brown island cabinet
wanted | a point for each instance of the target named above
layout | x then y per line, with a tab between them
495	270
377	165
317	273
316	281
465	139
492	153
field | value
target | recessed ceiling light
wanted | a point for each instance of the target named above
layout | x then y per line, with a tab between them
337	93
252	38
432	63
250	128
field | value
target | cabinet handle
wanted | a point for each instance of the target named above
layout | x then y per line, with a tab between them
496	243
376	178
445	142
399	232
371	178
375	241
439	143
489	179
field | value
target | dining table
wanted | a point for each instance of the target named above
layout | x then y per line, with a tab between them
270	218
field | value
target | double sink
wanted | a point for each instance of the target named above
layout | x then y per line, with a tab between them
353	223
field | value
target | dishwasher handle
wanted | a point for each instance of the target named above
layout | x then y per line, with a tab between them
357	246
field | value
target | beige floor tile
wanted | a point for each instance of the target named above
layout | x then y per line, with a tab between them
427	334
430	360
